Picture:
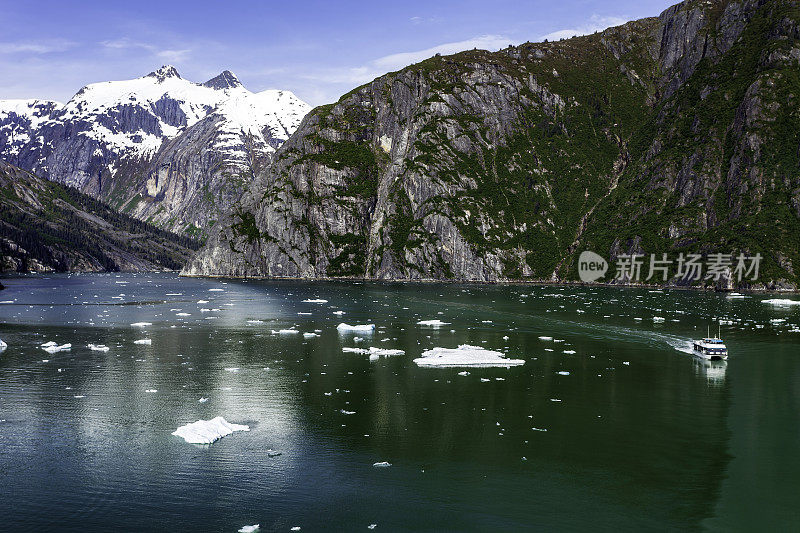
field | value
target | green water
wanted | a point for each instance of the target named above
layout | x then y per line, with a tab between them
638	436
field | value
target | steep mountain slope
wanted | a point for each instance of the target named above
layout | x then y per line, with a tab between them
45	226
131	142
664	135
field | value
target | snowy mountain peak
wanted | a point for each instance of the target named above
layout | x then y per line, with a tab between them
166	71
225	80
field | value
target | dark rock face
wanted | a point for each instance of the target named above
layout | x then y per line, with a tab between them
650	137
225	80
47	227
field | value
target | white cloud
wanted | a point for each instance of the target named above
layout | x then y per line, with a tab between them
169	55
35	47
595	23
402	59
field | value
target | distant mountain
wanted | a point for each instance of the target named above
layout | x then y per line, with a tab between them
159	147
671	134
45	226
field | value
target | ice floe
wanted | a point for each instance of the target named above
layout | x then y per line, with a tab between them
373	351
465	355
55	348
781	302
208	431
3	345
359	328
250	529
99	347
315	301
435	323
285	332
382	464
141	324
143	341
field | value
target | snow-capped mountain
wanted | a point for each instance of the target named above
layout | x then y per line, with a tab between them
154	146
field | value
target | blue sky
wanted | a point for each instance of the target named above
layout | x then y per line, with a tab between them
319	50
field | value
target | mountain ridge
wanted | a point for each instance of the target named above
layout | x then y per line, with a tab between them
502	166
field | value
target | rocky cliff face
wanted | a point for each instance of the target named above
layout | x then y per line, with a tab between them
130	143
47	227
670	134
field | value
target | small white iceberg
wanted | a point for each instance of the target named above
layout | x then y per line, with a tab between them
315	301
360	328
141	324
382	464
250	529
435	323
310	335
781	302
55	348
464	356
208	431
143	341
285	332
658	319
99	347
545	338
3	345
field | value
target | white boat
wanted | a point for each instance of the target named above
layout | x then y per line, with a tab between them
712	349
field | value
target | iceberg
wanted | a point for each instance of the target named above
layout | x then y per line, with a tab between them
310	335
658	319
435	323
783	302
99	347
143	341
385	351
382	464
208	431
465	356
285	332
49	343
3	345
250	529
54	348
315	301
141	324
545	338
360	328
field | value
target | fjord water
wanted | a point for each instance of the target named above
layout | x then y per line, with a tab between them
639	435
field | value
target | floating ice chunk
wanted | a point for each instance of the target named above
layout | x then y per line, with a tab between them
285	332
3	345
141	324
250	529
151	391
658	319
143	341
49	343
563	373
465	355
183	314
463	373
373	357
202	301
372	526
54	348
435	323
385	351
345	412
627	363
781	302
382	464
569	351
309	335
545	338
232	369
216	290
315	301
99	347
360	328
736	296
208	431
347	349
255	321
295	528
203	400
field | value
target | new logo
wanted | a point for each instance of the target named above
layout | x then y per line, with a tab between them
591	267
